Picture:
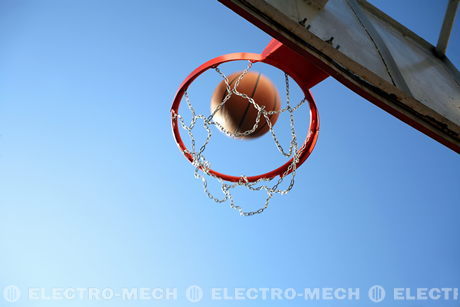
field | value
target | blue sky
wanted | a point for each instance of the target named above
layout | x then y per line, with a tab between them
94	193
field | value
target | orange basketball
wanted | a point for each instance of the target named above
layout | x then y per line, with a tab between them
238	114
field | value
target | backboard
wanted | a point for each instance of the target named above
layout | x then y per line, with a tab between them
372	54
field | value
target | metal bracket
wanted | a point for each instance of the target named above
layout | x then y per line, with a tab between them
446	28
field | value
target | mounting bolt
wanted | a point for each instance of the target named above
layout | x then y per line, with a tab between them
302	22
329	41
308	27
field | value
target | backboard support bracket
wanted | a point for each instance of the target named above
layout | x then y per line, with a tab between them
304	70
387	58
446	28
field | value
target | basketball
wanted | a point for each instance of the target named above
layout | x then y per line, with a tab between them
238	114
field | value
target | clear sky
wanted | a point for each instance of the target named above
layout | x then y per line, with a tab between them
95	193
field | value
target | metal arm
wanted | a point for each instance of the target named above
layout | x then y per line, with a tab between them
446	27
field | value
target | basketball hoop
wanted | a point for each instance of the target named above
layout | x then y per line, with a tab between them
297	154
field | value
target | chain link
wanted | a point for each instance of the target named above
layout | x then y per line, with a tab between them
203	166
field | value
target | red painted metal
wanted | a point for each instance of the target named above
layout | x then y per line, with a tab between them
301	69
276	54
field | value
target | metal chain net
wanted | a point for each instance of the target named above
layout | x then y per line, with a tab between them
202	165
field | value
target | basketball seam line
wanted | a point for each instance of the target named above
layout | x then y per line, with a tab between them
249	104
270	117
230	84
